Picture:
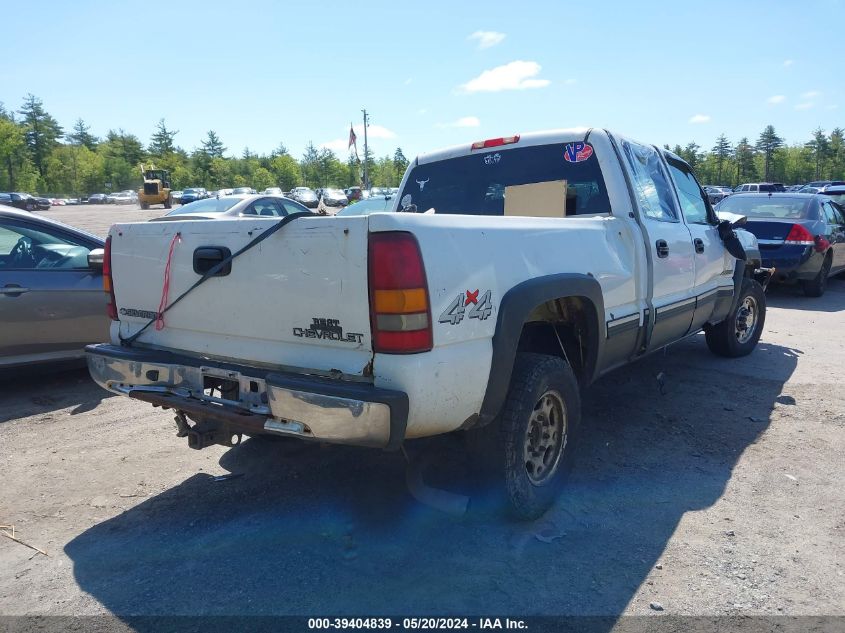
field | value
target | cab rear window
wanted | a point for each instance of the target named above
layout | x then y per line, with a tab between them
476	184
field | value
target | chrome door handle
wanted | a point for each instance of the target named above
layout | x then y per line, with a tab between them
13	290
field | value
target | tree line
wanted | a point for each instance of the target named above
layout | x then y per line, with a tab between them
768	159
39	155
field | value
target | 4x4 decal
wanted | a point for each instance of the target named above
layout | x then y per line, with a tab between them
481	307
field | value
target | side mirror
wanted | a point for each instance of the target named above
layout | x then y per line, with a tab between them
730	240
95	258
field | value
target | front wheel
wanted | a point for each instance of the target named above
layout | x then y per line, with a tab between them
528	449
145	206
168	203
738	334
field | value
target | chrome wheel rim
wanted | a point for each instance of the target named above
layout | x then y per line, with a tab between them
746	319
545	438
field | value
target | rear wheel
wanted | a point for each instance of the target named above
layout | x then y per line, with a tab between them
145	205
815	287
738	334
528	449
168	203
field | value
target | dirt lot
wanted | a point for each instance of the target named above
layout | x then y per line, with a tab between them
719	491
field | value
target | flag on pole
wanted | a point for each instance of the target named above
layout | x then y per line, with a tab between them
353	142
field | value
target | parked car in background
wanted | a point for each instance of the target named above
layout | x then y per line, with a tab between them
97	198
716	193
792	188
52	302
801	235
176	197
305	196
6	198
236	204
332	201
276	191
375	204
243	191
226	191
125	197
57	202
193	194
836	194
813	187
22	201
759	187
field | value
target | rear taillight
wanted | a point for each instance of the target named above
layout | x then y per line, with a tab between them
108	286
821	244
799	234
399	307
496	142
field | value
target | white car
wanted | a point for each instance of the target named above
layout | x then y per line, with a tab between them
273	191
514	272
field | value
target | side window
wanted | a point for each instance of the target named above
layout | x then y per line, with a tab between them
837	213
30	247
652	188
689	192
830	214
291	207
266	207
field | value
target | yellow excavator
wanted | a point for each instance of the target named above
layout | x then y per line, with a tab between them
156	189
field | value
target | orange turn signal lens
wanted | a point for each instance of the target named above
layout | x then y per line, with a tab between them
400	301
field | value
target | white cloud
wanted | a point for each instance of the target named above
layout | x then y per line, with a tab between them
464	121
339	145
487	39
812	94
806	105
776	99
788	62
700	118
373	131
518	75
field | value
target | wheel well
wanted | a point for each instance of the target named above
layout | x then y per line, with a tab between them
562	327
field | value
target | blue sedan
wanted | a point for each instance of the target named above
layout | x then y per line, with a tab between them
801	235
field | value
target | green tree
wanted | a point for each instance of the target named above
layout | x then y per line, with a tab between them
285	171
13	154
691	154
820	147
212	146
162	141
42	131
767	144
310	165
721	152
400	163
745	168
81	135
280	150
836	149
262	178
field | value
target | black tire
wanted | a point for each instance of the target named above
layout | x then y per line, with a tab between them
502	450
815	287
145	206
168	203
729	338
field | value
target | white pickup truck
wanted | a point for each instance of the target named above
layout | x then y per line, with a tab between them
512	273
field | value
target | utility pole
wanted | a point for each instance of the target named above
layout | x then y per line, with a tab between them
366	153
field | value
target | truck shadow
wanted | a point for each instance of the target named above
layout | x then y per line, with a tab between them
34	391
309	530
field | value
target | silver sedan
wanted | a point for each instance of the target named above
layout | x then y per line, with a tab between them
52	302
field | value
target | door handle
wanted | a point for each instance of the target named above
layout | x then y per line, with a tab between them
699	245
207	257
13	290
662	249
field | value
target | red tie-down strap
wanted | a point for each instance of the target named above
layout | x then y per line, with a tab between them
165	288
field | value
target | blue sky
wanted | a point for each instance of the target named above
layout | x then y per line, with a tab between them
431	73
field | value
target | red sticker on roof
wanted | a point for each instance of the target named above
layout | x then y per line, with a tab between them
577	152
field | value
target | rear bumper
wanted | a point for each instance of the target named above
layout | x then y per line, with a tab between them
269	402
793	264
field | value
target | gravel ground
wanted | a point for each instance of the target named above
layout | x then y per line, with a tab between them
716	491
